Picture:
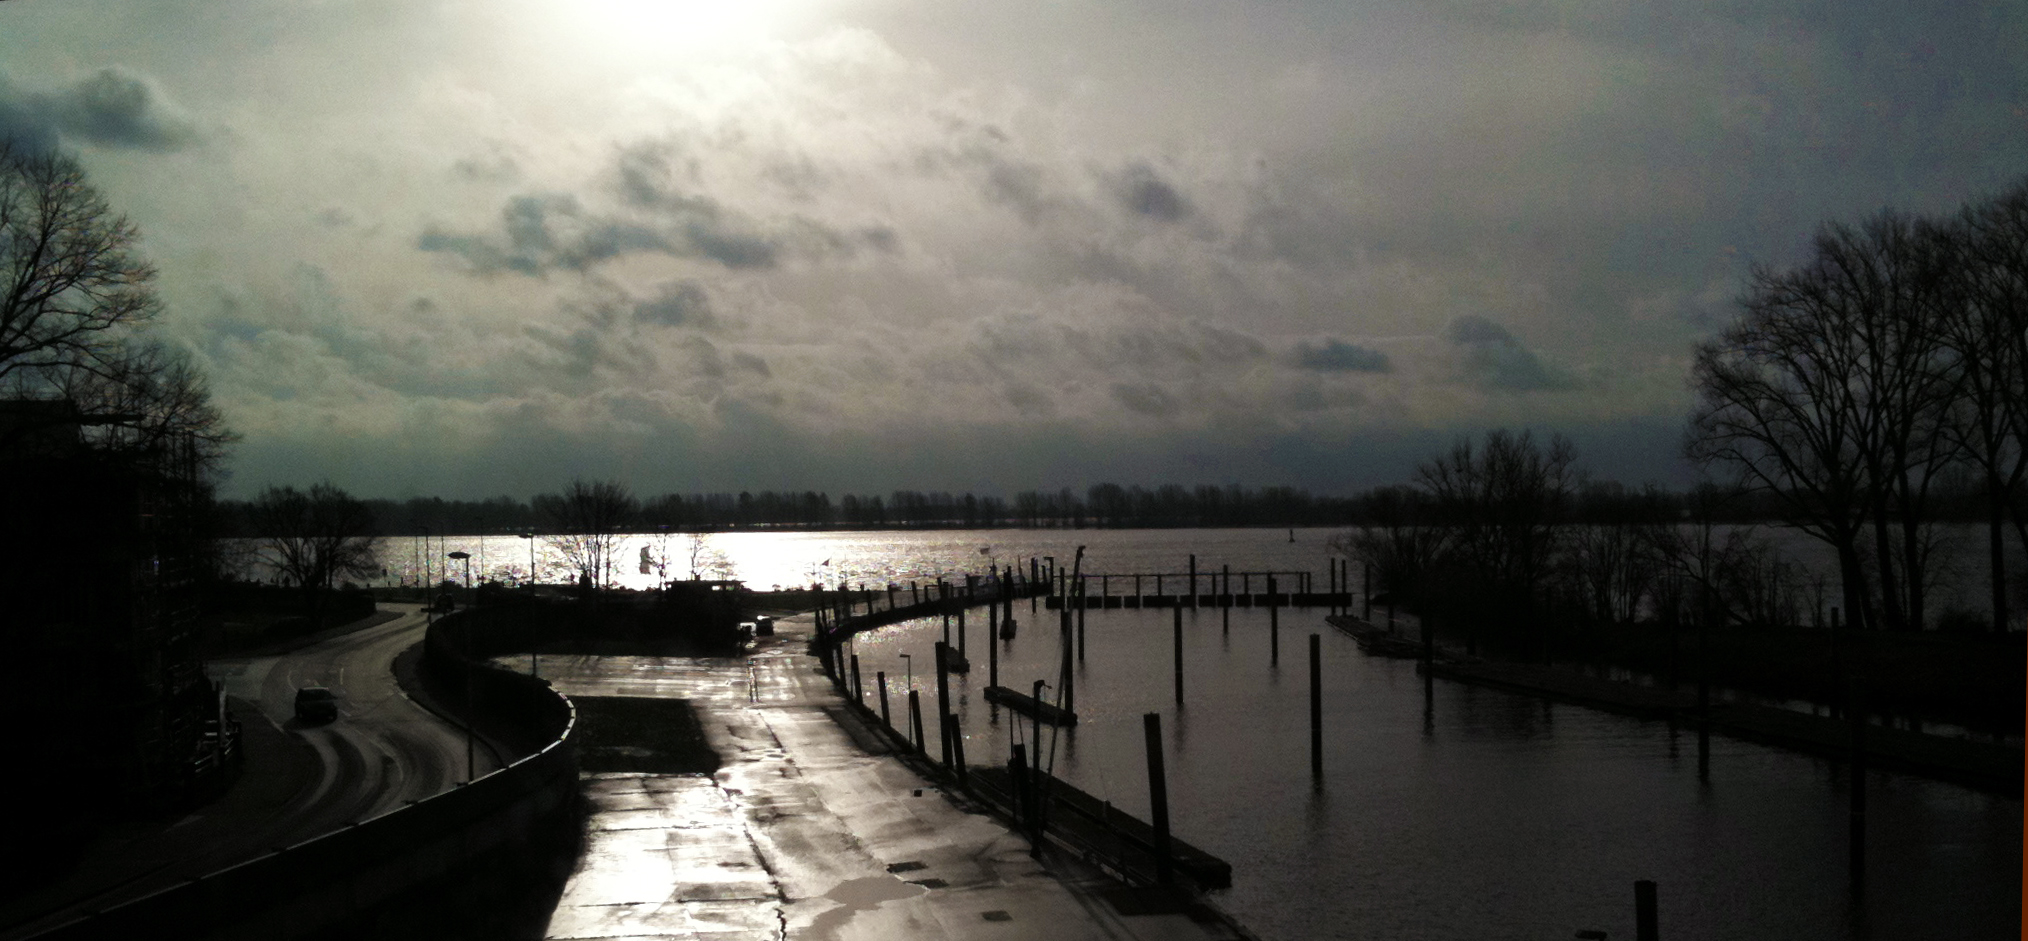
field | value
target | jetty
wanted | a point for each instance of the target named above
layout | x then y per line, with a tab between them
1029	706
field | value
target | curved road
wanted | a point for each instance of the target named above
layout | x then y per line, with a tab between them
302	780
384	749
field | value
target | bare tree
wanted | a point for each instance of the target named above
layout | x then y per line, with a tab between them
1985	326
74	296
1501	506
588	519
314	539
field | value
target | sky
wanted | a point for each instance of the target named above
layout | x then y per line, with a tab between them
465	248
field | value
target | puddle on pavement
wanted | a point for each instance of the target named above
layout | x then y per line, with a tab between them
860	895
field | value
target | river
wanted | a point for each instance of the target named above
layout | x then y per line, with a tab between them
1472	814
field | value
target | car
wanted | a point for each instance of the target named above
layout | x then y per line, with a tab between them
316	703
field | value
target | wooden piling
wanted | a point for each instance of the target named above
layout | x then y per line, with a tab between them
944	700
961	629
1645	919
858	688
1068	677
992	657
915	722
1158	795
1274	626
885	719
1193	580
1017	769
1179	656
1316	707
954	732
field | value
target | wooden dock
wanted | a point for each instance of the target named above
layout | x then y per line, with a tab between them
1029	706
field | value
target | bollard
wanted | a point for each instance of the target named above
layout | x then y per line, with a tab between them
1179	656
1645	922
915	722
1316	707
881	678
1158	795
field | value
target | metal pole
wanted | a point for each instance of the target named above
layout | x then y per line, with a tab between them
1179	656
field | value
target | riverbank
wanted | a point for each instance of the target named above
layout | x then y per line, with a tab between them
1989	766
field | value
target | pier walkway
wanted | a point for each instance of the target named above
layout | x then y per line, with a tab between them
812	829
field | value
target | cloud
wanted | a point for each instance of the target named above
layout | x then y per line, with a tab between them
1335	355
678	304
1142	192
1495	360
1145	398
112	108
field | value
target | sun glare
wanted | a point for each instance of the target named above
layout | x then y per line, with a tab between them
671	25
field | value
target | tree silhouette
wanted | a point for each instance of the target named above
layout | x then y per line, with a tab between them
74	296
315	539
588	519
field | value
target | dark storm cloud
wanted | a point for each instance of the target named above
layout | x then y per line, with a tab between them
1144	193
1335	355
677	304
1495	360
112	108
1146	398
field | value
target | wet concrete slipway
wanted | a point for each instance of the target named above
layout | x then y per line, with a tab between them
806	831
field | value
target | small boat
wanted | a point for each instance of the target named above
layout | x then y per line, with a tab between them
1007	629
1029	706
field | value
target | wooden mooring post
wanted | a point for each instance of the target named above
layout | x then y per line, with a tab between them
858	688
1646	921
1158	795
1316	707
1193	580
915	721
944	700
1274	625
955	732
1179	656
885	719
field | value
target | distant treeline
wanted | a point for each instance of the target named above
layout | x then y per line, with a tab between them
1101	506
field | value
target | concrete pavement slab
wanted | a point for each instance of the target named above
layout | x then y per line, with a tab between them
804	835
